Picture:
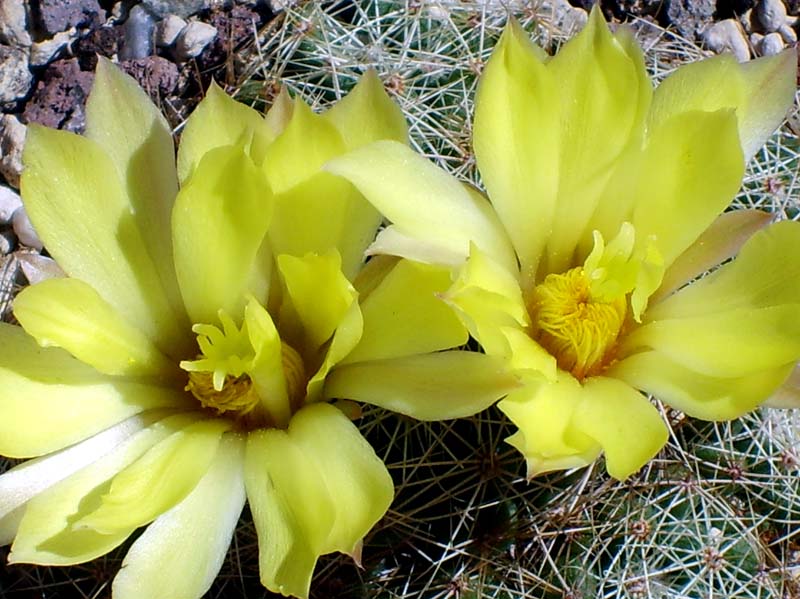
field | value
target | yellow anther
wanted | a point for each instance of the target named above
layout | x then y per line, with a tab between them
237	393
579	331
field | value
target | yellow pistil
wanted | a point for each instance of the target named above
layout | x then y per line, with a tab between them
237	393
578	330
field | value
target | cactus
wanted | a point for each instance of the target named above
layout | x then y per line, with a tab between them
716	514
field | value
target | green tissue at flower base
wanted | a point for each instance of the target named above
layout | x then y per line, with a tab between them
604	207
212	309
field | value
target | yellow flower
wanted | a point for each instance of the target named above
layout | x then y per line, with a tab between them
604	195
210	312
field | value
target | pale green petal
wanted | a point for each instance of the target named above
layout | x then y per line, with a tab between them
367	114
691	169
696	394
726	344
404	315
181	553
437	386
218	226
68	313
760	91
788	394
82	214
51	400
542	413
279	114
26	480
622	421
604	92
761	276
424	202
123	120
391	242
722	240
158	480
218	120
266	371
314	489
344	340
516	141
46	535
317	297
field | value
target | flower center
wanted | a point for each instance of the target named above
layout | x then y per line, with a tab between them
577	329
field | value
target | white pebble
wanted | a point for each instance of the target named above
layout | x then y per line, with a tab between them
772	44
9	203
193	39
37	268
168	30
771	14
12	141
7	242
787	33
727	36
24	229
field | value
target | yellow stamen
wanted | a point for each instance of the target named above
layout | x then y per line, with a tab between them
237	393
294	373
579	331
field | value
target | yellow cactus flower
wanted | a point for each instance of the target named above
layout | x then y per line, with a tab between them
605	202
210	312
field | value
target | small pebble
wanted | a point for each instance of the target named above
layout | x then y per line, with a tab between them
43	52
771	14
12	141
168	30
727	36
138	33
24	229
182	8
772	44
38	268
787	33
10	202
14	23
8	242
193	39
15	77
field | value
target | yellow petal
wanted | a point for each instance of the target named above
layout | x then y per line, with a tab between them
158	480
691	169
279	114
423	201
218	226
318	297
437	386
761	276
760	92
604	92
313	489
76	202
696	394
46	535
68	313
367	114
732	343
543	413
404	315
516	141
218	120
51	400
122	119
622	421
180	554
722	240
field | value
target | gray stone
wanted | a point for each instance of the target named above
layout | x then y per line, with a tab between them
771	45
38	268
10	202
771	14
15	77
44	52
24	229
60	97
787	33
60	15
12	142
690	17
138	34
168	30
193	39
181	8
8	241
14	23
727	36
